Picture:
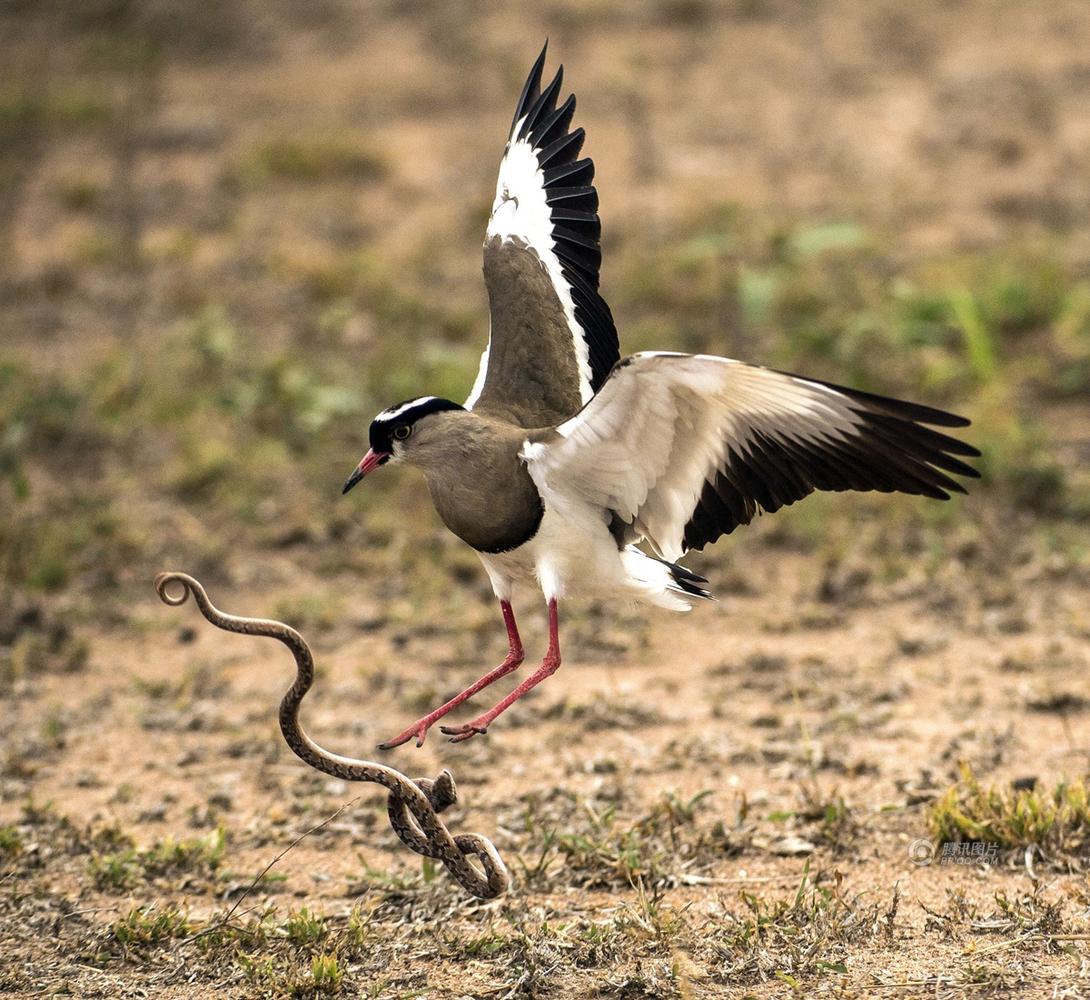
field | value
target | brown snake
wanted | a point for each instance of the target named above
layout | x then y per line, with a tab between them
410	799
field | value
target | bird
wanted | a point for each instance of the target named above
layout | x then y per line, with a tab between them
572	469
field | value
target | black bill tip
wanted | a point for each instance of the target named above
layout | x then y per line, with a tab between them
351	481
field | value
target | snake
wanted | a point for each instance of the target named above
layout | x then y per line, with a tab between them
412	804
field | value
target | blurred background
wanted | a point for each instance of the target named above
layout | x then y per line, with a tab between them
233	231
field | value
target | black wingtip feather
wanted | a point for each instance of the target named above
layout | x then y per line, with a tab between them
531	88
577	172
900	408
563	150
579	196
555	124
542	108
891	450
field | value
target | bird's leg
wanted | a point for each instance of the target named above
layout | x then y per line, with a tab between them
515	656
548	667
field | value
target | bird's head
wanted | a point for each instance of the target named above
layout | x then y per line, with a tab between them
397	432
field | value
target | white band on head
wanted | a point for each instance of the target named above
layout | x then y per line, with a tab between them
396	411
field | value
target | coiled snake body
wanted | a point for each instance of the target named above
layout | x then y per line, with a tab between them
412	804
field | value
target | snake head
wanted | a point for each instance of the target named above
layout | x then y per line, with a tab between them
442	792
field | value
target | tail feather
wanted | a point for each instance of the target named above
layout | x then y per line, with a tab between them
659	582
686	580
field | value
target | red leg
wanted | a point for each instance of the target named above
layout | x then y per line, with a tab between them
548	667
515	656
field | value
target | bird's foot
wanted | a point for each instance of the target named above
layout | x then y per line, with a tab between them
418	731
459	734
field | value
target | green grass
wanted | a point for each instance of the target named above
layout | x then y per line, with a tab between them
170	854
147	925
305	929
825	298
1056	820
119	870
326	975
10	840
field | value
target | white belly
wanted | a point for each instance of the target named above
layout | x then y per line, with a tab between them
573	554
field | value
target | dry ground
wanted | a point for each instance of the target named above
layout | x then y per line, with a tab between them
233	233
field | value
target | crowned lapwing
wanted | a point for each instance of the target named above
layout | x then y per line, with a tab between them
565	458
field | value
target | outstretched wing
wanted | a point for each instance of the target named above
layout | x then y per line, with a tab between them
684	448
552	340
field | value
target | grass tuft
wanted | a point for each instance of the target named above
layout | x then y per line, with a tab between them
305	929
120	870
145	925
11	841
326	975
1055	820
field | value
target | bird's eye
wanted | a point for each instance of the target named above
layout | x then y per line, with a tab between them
402	431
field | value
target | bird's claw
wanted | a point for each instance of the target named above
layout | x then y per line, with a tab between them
459	734
417	730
